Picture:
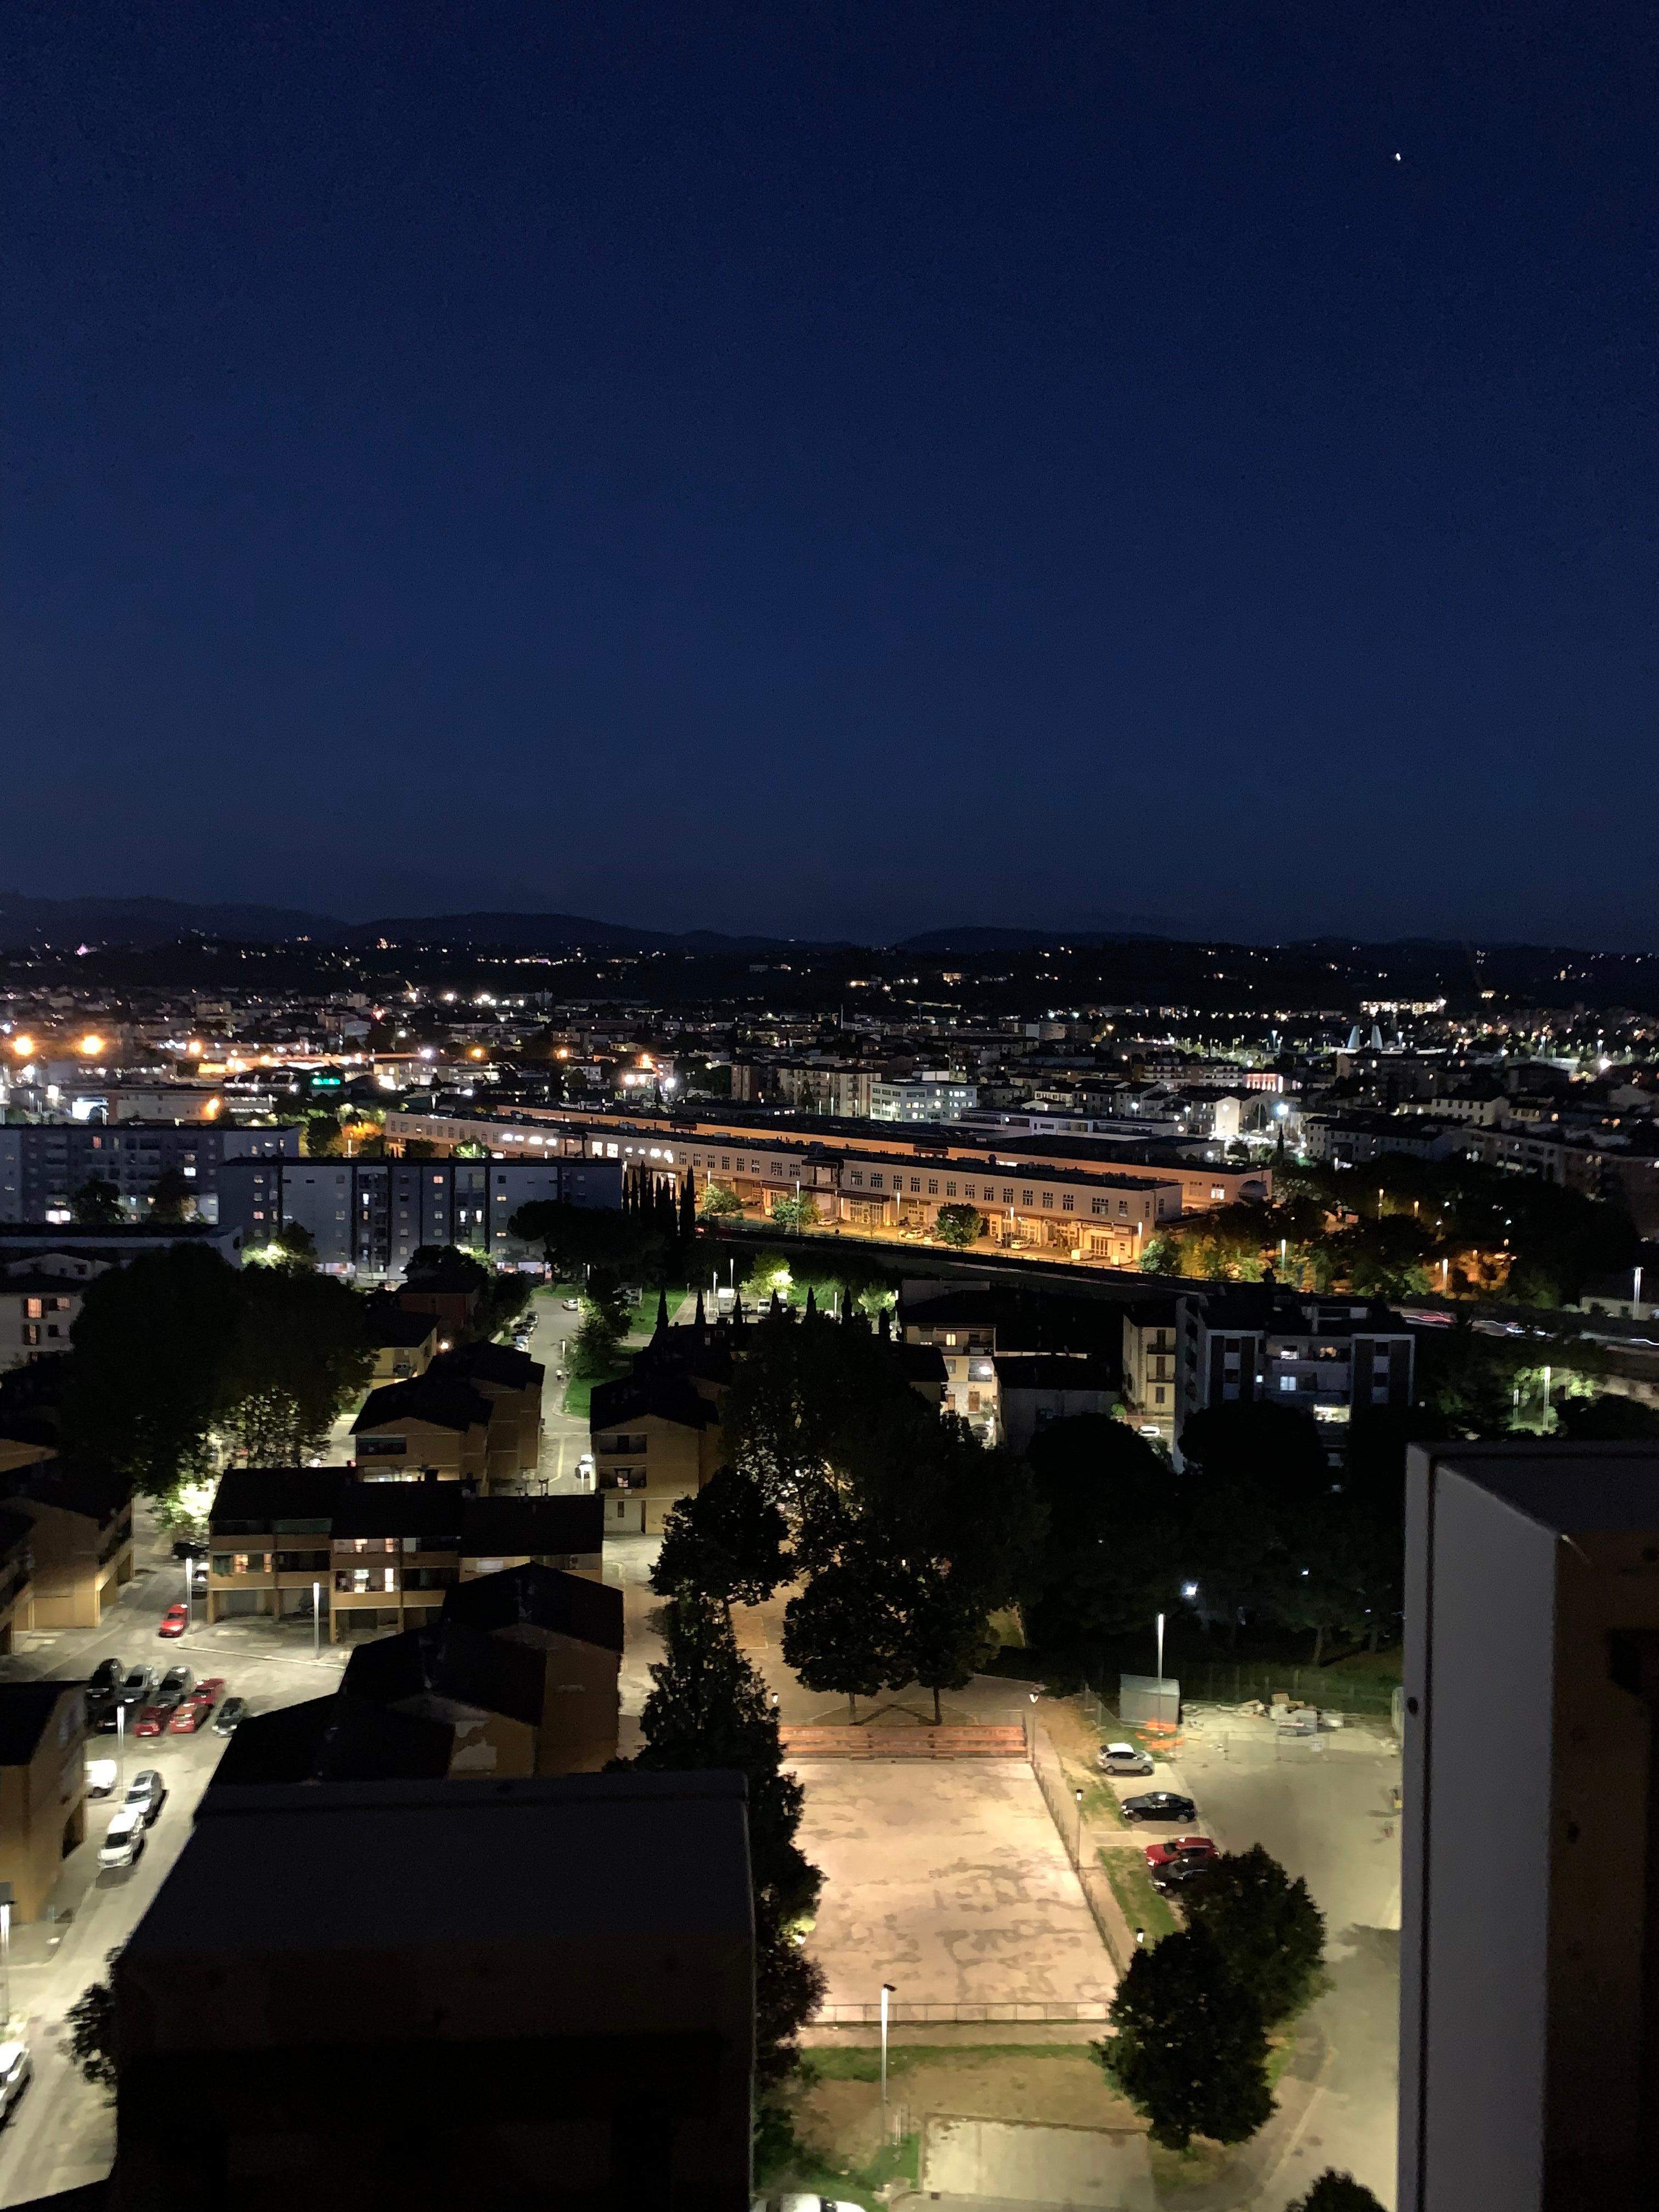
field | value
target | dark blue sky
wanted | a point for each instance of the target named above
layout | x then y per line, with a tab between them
836	468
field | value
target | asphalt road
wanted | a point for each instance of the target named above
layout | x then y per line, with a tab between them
62	2133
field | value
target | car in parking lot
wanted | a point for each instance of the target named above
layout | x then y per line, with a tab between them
230	1717
1123	1758
124	1839
101	1777
1171	1881
1174	1849
152	1720
1158	1805
175	1687
190	1716
137	1683
146	1795
799	2200
175	1621
16	2070
105	1679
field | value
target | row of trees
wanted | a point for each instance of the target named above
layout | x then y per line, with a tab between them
177	1347
906	1532
1401	1226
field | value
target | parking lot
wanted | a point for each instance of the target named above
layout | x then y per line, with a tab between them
62	2134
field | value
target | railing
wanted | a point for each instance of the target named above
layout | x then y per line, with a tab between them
900	2014
990	1739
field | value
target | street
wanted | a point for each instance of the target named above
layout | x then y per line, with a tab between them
63	2133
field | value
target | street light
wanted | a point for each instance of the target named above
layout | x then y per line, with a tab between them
316	1620
1077	1854
887	1989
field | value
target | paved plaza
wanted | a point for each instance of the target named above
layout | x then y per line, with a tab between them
947	1880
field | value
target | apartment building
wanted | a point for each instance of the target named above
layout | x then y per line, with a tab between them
414	1987
436	1424
521	1667
655	1439
1151	1350
1529	2037
79	1539
510	1384
37	1313
44	1163
406	1344
1036	1387
377	1555
1328	1357
956	1323
371	1217
43	1786
922	1097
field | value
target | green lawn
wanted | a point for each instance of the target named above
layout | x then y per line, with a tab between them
1131	1886
579	1393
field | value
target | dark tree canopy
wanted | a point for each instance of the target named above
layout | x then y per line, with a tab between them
1267	1926
725	1542
1336	2193
1110	1555
1191	2048
97	1205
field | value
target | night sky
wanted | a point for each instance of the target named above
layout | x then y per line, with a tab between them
836	469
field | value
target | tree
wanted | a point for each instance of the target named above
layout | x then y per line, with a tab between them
595	1348
1191	2049
1252	1471
792	1215
959	1226
841	1634
708	1709
299	1356
1161	1254
97	1205
322	1135
1110	1558
172	1198
147	1383
1266	1926
944	1637
295	1246
725	1542
1609	1419
1336	2193
719	1203
91	2023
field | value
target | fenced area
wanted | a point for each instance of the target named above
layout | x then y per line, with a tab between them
993	1740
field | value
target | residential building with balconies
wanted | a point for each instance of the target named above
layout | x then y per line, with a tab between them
655	1439
43	1786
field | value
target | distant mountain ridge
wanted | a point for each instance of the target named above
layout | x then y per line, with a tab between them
145	921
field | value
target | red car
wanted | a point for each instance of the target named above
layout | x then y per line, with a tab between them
175	1621
153	1719
198	1707
1190	1849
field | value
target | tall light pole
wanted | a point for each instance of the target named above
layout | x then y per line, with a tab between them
316	1620
1160	1651
5	1949
1076	1851
886	1992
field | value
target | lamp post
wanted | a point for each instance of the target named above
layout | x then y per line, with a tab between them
1635	1293
887	1989
5	1949
316	1620
1076	1850
1160	1651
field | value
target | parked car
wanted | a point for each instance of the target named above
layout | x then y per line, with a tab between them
175	1621
146	1795
795	2200
105	1679
101	1777
136	1686
188	1718
152	1720
1171	1881
124	1840
1175	1848
176	1686
521	1342
573	1305
1124	1759
230	1717
188	1548
1159	1805
208	1691
16	2070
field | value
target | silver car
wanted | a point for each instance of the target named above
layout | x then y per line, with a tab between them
1123	1758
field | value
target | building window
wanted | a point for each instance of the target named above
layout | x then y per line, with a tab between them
33	1308
1007	1197
1287	1382
915	1184
949	1190
1047	1198
875	1183
1065	1203
1025	1198
932	1186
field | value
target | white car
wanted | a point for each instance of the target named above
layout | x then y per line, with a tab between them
124	1841
16	2067
573	1305
795	2200
1123	1758
101	1777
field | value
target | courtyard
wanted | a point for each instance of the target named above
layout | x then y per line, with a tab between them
947	1880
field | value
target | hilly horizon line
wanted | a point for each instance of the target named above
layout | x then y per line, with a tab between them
147	922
